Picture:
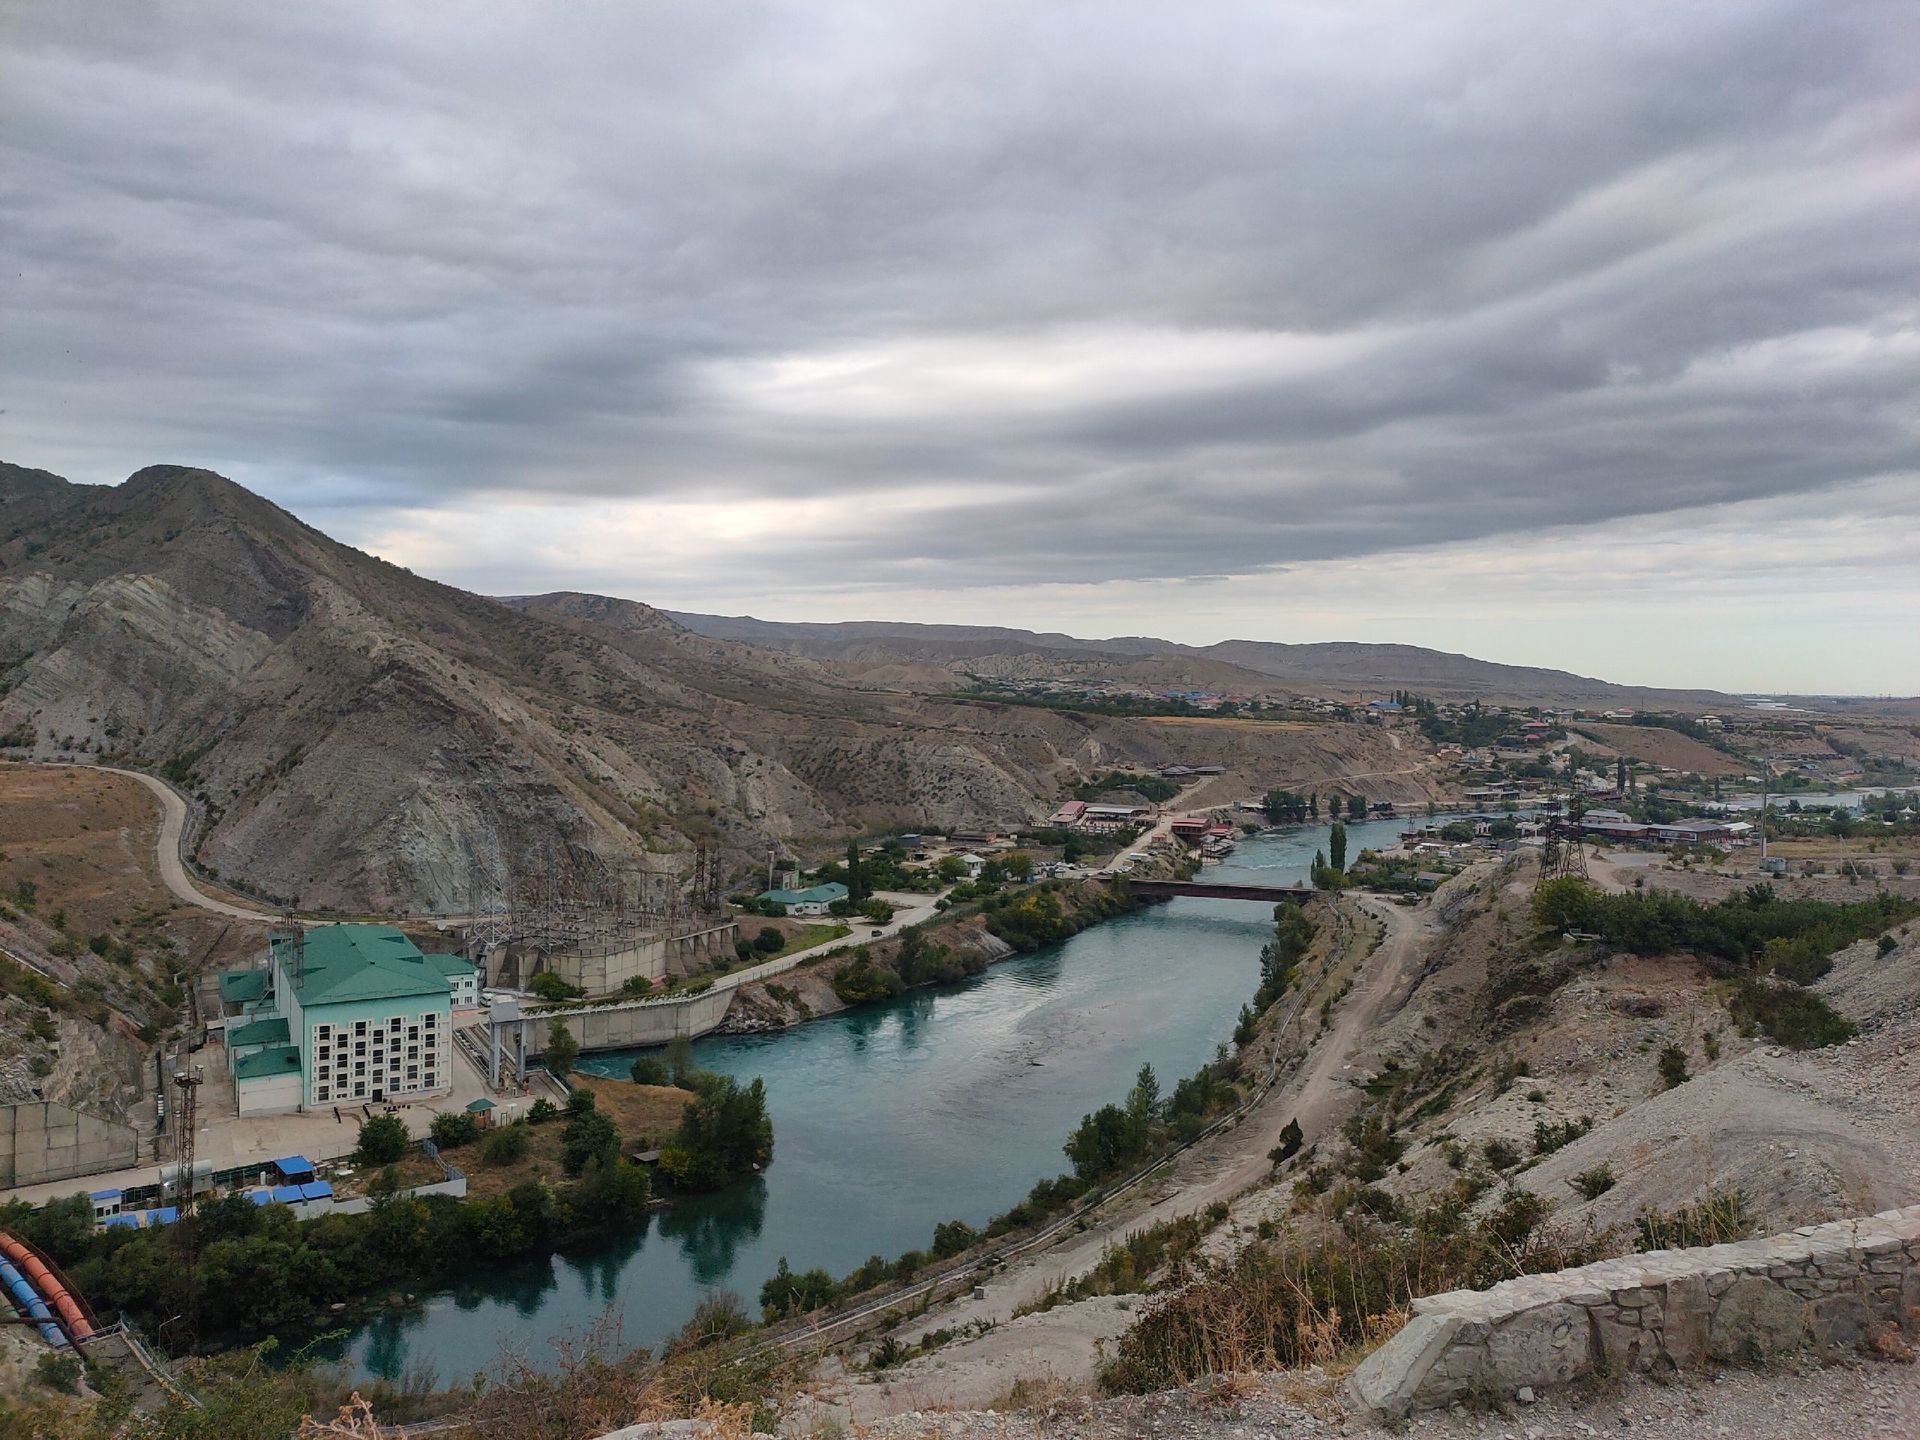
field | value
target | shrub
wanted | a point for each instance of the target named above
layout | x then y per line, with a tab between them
1887	945
549	986
720	1315
769	941
1304	1303
650	1070
1799	1019
1549	1136
453	1129
1673	1066
505	1145
787	1293
1594	1183
58	1372
1289	1146
1501	1154
382	1140
1718	1218
543	1109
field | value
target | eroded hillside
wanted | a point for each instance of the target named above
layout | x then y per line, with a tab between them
360	737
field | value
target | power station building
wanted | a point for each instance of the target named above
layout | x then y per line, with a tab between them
340	1015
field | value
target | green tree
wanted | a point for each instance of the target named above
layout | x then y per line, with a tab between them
590	1136
453	1129
786	1292
549	986
769	940
562	1049
383	1140
856	882
1143	1104
1356	807
1337	847
679	1058
725	1134
650	1070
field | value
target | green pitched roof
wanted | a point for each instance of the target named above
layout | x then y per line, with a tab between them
271	1031
819	895
239	986
342	964
265	1064
450	965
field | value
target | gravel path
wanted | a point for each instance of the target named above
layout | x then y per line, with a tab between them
1863	1401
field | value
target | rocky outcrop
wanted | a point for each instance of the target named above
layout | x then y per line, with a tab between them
1820	1287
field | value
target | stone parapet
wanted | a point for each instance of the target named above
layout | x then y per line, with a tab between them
1819	1287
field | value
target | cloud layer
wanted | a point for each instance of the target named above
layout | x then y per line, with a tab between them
809	308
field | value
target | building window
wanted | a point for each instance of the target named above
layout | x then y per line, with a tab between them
359	1027
321	1094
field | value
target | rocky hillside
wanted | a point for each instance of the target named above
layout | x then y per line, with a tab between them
360	737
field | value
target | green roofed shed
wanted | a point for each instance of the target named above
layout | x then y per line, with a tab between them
238	987
271	1031
267	1063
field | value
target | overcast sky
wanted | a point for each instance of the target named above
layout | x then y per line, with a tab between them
1577	335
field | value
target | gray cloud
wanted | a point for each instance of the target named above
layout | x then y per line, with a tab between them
1570	266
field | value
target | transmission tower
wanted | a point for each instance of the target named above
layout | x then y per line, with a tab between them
1565	852
186	1187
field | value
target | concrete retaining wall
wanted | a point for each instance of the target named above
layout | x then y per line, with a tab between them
1823	1286
42	1140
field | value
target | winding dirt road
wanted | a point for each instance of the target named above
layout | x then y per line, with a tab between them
173	869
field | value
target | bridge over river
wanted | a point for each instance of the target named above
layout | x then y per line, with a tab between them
1207	890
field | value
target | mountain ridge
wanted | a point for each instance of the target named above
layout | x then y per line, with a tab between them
1346	664
359	737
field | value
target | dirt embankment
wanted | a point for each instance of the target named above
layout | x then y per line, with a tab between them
96	937
1669	749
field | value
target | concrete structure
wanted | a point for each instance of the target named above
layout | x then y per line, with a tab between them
1823	1286
43	1140
342	1014
623	1025
812	901
652	956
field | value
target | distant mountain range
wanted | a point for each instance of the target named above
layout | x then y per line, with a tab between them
1336	669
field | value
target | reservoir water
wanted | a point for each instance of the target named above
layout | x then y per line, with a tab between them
943	1104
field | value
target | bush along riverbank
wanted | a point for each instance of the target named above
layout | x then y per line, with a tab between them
956	946
243	1271
1144	1126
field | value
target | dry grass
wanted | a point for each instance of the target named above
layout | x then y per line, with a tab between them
86	841
644	1114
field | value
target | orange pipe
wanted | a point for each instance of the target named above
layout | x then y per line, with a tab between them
48	1284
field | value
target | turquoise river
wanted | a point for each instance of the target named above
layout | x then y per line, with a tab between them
944	1104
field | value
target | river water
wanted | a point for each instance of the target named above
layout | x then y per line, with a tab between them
943	1104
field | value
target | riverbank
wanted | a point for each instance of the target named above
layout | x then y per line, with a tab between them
937	952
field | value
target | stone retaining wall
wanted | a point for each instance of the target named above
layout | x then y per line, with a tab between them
1822	1286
